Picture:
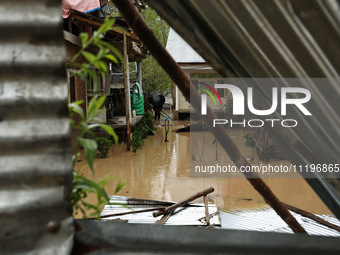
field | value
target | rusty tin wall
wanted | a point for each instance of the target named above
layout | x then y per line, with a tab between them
35	146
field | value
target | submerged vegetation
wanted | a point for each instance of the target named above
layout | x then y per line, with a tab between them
249	140
104	146
141	131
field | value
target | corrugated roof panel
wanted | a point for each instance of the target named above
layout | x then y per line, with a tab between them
180	50
35	146
268	220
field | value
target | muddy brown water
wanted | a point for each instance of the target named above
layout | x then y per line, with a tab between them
161	171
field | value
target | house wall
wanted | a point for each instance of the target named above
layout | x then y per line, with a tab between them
181	105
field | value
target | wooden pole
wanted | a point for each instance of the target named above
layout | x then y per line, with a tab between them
127	92
139	70
313	217
207	216
183	202
130	212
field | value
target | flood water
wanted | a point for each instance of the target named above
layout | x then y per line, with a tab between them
161	171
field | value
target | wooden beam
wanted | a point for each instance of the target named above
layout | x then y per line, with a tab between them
127	92
313	217
139	71
72	38
94	22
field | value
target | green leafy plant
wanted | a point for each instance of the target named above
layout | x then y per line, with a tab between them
249	140
138	135
83	186
155	79
193	157
105	51
104	146
148	121
141	131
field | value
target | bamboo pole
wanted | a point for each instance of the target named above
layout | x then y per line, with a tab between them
145	33
132	212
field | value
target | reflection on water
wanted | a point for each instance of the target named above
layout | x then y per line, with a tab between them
161	170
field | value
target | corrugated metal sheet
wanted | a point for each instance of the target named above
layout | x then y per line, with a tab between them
188	215
35	149
268	220
282	39
180	50
121	238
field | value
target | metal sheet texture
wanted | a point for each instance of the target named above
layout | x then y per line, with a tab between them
268	220
180	50
35	145
275	39
123	238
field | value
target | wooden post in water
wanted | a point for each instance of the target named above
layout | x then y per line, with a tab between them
127	92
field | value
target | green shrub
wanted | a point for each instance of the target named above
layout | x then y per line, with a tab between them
140	131
148	120
104	146
249	140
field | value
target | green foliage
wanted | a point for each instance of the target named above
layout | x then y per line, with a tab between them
82	186
155	78
193	157
85	126
148	121
249	140
137	137
141	131
105	52
104	146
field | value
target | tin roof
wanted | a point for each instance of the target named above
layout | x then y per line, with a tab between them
180	50
268	220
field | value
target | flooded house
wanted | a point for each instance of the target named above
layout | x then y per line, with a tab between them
113	84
